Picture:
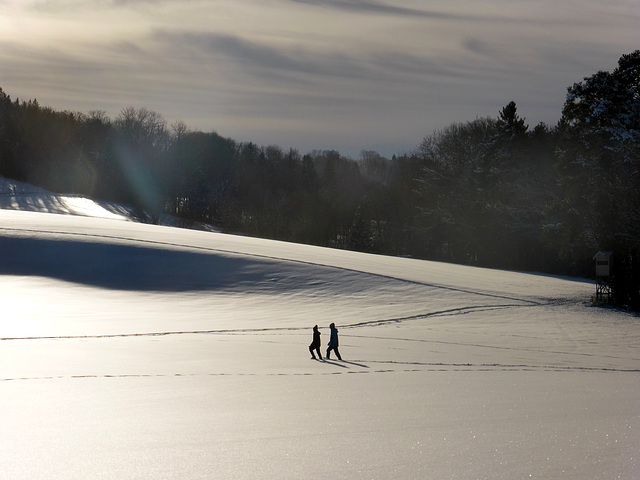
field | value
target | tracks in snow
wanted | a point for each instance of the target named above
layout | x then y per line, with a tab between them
361	368
245	331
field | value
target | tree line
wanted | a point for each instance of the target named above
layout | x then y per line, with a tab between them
490	192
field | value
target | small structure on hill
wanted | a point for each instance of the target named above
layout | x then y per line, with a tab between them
604	265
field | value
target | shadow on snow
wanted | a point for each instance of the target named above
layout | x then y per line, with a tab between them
141	268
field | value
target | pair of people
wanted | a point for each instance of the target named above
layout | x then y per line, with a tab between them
333	343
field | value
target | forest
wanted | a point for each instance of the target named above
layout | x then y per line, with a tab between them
491	192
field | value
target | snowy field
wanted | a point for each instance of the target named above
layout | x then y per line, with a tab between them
131	351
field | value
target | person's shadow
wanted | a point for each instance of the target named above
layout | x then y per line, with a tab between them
332	362
356	364
340	363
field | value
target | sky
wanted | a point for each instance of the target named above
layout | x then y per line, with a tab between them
348	75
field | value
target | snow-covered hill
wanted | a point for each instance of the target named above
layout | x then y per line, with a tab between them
21	196
24	197
142	351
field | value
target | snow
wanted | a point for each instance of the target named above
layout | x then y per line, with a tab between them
142	351
21	196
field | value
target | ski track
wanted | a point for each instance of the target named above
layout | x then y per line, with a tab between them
395	367
241	331
494	347
372	323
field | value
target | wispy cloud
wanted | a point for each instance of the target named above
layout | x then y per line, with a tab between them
262	58
66	5
321	73
471	12
367	6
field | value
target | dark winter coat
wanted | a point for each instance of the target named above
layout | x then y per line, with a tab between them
333	340
316	339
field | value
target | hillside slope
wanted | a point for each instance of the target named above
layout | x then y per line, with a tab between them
141	351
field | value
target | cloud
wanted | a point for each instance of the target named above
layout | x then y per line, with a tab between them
66	5
369	64
261	57
367	6
340	71
470	11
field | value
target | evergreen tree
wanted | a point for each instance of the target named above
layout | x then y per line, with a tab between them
600	162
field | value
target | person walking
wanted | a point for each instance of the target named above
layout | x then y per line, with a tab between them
333	342
315	344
